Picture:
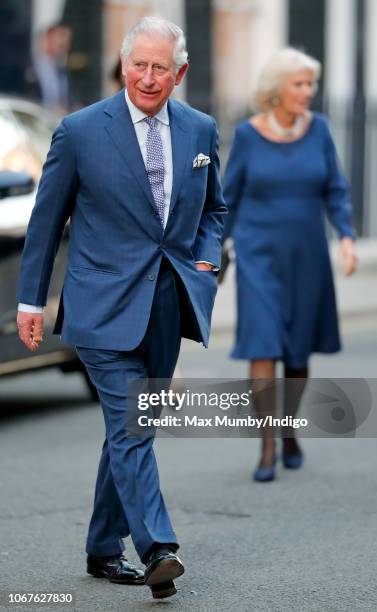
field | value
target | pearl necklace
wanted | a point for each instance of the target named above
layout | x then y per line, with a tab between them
290	132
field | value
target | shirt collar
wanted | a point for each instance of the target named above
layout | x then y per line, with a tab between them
137	115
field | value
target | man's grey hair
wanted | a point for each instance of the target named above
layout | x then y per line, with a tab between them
167	29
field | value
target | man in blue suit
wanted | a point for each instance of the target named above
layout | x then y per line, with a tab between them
138	176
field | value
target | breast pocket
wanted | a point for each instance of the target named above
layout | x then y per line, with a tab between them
197	185
200	173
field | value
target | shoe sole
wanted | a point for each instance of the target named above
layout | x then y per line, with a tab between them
165	570
100	574
296	464
164	590
289	466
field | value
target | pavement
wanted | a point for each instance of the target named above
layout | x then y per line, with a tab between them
356	295
304	543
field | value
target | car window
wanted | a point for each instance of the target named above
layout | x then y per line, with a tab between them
24	142
38	131
10	138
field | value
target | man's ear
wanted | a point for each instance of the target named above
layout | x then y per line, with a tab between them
123	64
181	73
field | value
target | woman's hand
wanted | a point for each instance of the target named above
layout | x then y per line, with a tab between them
347	255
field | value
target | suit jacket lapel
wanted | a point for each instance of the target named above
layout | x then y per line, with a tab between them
122	132
180	141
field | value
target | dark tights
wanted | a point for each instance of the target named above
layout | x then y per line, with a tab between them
294	387
262	374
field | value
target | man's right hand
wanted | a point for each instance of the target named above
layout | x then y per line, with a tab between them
30	329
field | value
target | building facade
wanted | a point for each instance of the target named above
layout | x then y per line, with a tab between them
229	41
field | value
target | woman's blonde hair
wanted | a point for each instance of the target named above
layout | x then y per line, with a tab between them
271	80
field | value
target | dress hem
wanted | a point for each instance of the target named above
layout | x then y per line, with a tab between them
296	365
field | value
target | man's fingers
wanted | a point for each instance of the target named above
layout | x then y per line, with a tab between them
25	333
30	329
38	330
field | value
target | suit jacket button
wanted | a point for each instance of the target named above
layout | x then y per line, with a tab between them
151	277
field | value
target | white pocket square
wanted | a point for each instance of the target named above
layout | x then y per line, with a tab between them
201	160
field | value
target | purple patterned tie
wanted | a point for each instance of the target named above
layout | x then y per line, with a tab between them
155	165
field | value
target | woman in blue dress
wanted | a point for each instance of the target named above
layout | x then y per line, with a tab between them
282	178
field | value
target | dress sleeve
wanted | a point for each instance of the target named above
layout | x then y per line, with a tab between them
234	181
337	195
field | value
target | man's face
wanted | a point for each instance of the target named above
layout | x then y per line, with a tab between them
150	72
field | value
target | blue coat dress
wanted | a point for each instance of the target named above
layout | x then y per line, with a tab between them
277	194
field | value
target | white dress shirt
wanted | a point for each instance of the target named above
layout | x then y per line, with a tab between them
141	129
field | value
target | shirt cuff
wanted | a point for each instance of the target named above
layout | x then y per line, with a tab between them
30	308
214	268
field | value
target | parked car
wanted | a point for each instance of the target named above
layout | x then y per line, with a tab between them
25	135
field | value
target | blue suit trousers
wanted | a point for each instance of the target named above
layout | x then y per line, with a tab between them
128	500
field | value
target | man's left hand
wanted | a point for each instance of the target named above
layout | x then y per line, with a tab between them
204	266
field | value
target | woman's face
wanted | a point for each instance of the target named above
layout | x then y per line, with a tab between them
297	92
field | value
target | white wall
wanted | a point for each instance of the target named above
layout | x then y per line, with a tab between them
174	10
246	34
46	13
340	65
370	220
269	33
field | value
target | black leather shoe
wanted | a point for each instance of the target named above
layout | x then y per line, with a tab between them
164	589
116	569
163	566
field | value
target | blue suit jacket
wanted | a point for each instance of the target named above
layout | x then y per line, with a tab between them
95	175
